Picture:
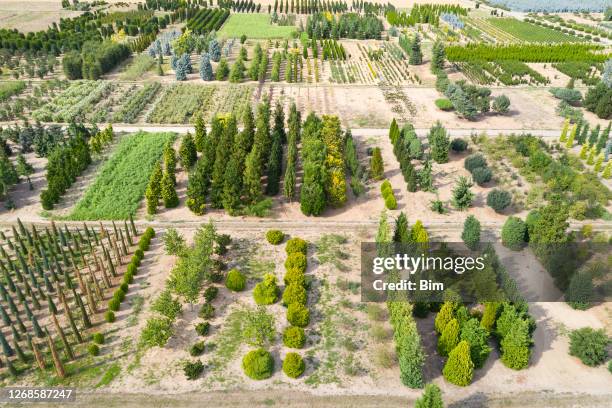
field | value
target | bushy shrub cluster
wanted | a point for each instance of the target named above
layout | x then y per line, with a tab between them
463	339
406	146
476	164
444	104
387	192
589	345
514	233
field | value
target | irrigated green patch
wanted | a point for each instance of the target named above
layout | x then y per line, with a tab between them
531	32
253	26
120	185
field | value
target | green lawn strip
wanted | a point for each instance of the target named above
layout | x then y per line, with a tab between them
118	188
530	32
253	26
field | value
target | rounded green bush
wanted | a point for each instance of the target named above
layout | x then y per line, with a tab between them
143	245
444	104
124	287
295	275
390	202
296	260
207	311
135	261
202	328
296	245
119	295
132	268
93	349
149	232
293	365
482	175
139	253
197	349
128	278
114	304
275	237
98	338
258	364
294	293
294	337
211	293
499	200
109	316
235	280
514	233
474	161
386	188
458	145
298	315
266	291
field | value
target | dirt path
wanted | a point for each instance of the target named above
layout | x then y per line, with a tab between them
296	399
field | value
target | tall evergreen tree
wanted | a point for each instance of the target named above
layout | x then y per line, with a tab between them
252	177
200	133
187	151
416	56
222	157
168	192
279	122
262	139
275	164
206	71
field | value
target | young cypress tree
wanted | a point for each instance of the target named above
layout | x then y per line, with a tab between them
40	361
377	169
402	233
594	136
57	362
6	348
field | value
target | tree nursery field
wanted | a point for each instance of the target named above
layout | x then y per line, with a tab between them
306	203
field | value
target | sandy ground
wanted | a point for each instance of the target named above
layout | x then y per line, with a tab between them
552	374
37	16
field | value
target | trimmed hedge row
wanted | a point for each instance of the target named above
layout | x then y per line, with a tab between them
119	295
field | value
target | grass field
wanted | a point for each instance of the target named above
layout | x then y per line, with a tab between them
530	32
254	26
121	183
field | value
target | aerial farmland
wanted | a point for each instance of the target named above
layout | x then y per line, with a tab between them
240	203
